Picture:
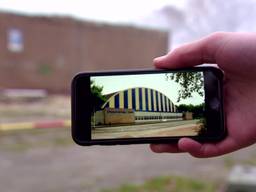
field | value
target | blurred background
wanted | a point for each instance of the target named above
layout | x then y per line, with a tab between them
43	44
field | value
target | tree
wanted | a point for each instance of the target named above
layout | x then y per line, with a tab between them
197	110
189	83
98	99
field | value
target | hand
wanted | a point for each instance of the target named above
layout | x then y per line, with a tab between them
235	54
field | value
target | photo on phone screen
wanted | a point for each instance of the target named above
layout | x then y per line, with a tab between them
147	105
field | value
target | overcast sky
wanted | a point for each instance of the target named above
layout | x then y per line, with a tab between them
118	11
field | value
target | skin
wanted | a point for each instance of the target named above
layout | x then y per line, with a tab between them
235	54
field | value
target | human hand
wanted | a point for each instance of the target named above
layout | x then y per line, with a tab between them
235	54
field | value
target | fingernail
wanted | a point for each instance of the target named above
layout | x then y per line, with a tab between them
157	59
156	148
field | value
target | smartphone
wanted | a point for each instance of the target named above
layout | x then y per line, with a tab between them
147	106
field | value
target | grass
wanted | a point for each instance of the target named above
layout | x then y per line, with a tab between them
229	162
251	161
32	114
23	140
21	109
167	183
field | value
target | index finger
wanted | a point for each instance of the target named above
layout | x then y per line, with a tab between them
191	54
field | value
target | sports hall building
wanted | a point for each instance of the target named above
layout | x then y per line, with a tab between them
138	105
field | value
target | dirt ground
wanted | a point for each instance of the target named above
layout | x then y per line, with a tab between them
160	129
49	161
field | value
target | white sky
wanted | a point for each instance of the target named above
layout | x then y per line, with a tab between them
118	11
153	81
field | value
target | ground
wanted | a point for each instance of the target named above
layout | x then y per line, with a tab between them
47	160
160	129
52	107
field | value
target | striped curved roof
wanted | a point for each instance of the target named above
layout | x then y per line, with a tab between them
140	99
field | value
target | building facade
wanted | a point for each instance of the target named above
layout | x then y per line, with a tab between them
136	105
140	99
46	52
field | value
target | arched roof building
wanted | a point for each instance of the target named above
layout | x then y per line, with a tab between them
140	99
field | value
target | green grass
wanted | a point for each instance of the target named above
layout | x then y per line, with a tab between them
229	162
168	184
23	140
250	161
13	114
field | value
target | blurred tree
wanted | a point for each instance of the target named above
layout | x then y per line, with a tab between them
98	99
189	83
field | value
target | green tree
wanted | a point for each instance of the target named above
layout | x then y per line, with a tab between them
98	99
189	82
197	110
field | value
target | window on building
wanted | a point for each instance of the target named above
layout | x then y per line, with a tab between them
15	40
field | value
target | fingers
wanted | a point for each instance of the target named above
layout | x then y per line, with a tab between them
191	54
197	149
162	148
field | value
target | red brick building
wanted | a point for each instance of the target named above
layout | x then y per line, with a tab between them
45	52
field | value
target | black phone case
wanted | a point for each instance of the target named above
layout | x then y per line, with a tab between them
77	130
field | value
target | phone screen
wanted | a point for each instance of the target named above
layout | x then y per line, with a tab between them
148	105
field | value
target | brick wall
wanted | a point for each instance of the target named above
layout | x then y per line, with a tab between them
56	48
